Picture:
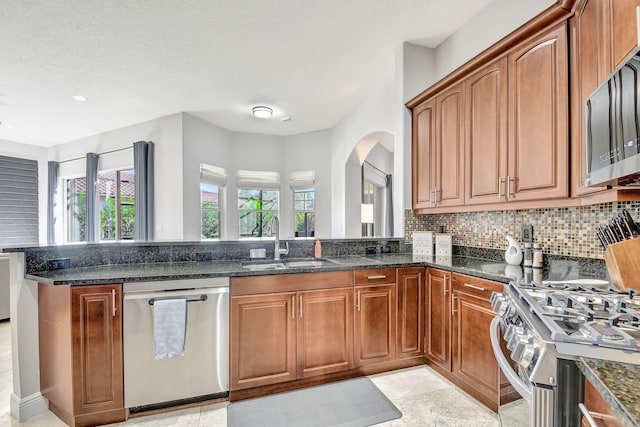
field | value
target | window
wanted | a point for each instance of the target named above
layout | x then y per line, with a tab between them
304	212
116	201
210	210
256	208
76	210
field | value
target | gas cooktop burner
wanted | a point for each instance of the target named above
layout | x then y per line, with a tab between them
584	315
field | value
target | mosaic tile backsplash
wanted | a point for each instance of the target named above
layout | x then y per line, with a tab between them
559	231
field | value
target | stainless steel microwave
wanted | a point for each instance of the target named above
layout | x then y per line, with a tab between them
612	128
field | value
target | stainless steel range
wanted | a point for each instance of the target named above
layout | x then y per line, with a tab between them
546	327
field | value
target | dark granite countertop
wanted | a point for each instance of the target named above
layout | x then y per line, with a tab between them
618	384
120	273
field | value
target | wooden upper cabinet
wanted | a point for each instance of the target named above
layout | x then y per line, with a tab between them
438	150
423	153
486	136
449	152
624	29
591	59
538	117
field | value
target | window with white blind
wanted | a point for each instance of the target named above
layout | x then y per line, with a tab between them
18	201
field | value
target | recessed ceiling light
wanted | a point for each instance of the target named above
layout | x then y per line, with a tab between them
286	119
262	112
79	98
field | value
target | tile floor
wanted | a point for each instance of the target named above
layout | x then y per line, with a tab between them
424	398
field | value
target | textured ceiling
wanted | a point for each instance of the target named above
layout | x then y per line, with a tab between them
311	60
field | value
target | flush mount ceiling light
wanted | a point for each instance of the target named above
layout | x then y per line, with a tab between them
262	112
79	98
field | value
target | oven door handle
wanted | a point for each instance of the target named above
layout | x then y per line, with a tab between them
512	376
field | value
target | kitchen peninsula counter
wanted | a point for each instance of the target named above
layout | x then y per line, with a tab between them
618	384
136	272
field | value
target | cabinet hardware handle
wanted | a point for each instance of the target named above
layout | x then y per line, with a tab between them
293	306
113	307
509	181
469	285
500	181
453	305
382	276
435	193
590	415
301	306
358	299
444	293
431	196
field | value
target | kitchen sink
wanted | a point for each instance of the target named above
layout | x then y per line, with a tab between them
284	264
307	263
261	265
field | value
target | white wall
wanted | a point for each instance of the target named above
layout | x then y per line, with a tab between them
33	152
309	151
493	23
207	143
166	133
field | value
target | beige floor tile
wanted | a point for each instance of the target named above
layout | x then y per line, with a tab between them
410	382
214	415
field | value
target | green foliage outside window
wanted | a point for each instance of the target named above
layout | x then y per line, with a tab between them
256	209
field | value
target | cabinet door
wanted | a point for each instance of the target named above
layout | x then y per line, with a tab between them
538	116
438	318
423	154
449	153
263	339
596	403
590	67
96	336
375	324
486	136
410	329
473	358
624	29
325	331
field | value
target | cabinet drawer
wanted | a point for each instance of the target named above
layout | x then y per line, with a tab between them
373	276
475	286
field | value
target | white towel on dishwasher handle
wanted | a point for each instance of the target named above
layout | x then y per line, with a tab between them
169	327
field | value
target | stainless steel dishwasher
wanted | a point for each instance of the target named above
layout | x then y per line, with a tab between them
202	372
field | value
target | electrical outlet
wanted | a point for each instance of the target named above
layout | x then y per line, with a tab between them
371	250
58	264
385	249
204	256
527	233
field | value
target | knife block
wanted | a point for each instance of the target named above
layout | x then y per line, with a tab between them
623	263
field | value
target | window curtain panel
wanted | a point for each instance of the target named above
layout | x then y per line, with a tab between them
388	214
93	220
52	191
143	165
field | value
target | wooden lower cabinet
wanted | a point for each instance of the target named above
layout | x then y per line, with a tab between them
81	363
375	326
325	331
596	404
458	341
410	329
263	339
438	318
283	336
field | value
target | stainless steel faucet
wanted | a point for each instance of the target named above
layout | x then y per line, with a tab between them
277	251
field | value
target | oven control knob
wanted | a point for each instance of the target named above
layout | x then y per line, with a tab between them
513	340
518	350
513	330
527	356
500	306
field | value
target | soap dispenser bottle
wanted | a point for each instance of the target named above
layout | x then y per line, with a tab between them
317	249
513	254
